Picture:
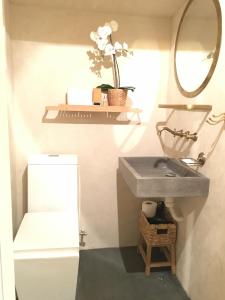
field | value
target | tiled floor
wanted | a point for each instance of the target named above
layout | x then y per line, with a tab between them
118	274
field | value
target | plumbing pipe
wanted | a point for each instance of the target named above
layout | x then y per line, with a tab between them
82	232
169	203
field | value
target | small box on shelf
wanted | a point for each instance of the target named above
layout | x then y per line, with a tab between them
96	96
99	97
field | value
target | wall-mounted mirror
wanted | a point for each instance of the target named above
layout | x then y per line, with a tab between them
197	45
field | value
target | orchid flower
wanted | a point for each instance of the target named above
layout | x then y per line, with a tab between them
118	46
109	50
103	39
104	31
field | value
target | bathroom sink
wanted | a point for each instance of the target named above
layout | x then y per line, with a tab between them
162	177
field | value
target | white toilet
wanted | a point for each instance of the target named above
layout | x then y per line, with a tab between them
46	247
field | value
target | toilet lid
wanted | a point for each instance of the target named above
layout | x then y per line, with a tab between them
47	231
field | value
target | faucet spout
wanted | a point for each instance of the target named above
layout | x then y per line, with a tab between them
174	132
180	133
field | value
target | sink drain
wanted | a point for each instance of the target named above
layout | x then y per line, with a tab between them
170	174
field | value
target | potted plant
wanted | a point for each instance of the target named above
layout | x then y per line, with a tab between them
103	38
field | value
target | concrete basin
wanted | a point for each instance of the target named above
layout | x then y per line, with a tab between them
162	177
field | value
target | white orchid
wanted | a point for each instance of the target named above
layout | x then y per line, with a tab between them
102	44
113	24
125	46
118	46
109	50
103	39
104	31
93	36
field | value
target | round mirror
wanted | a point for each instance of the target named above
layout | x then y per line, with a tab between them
197	45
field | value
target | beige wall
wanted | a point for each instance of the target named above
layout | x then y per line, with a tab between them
49	48
201	240
6	242
49	55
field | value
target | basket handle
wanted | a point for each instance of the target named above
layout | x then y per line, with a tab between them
162	231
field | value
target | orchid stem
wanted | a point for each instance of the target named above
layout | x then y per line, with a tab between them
115	67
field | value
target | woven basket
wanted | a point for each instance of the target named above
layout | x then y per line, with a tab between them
117	97
157	234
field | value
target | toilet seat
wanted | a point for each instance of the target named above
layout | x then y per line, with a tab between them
46	256
46	234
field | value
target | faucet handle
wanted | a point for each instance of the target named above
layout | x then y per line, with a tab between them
174	132
201	158
200	161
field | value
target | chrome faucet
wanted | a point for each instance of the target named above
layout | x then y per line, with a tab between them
181	133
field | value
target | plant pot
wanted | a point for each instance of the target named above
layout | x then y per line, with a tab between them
117	97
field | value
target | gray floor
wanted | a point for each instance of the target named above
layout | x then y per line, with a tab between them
118	274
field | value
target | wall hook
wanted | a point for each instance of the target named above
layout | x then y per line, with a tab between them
215	119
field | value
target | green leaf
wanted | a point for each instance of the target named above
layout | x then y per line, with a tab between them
105	87
131	88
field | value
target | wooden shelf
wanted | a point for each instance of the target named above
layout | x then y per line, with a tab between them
92	108
190	107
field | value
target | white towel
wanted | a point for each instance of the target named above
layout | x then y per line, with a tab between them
77	96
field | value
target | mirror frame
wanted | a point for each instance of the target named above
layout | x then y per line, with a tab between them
216	55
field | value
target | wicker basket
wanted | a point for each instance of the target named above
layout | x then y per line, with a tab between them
117	97
158	234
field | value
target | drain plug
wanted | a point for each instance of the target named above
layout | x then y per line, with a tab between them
170	174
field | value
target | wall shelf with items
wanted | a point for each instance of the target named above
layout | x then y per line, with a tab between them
92	114
190	107
92	108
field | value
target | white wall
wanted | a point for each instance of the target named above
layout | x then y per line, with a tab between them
6	243
49	47
201	240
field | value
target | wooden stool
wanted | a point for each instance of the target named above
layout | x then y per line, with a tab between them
157	235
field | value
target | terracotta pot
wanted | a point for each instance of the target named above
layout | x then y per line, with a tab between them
117	97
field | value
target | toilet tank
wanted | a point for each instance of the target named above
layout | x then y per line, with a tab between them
53	183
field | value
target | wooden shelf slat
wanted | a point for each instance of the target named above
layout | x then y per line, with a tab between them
190	107
92	108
